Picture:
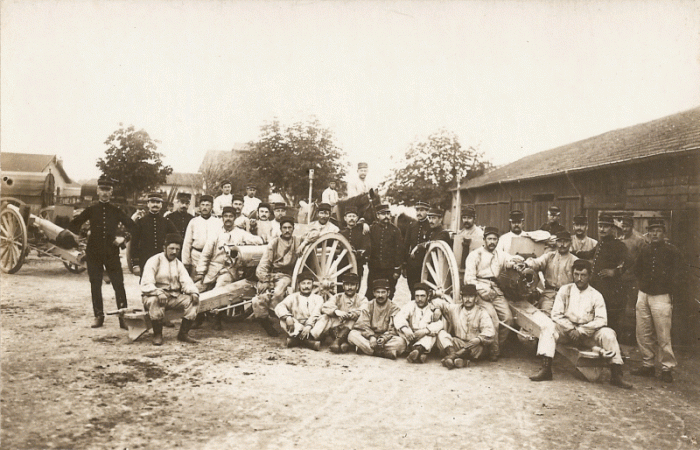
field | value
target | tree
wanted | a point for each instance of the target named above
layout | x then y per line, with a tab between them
282	157
133	160
432	166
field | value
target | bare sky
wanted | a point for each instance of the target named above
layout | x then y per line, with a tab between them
513	77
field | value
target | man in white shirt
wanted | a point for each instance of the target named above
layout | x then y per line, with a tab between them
517	220
263	225
582	246
418	323
298	314
580	319
198	232
319	227
358	185
225	199
165	284
250	201
330	196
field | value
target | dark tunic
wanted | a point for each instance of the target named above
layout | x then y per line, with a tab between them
180	220
359	241
387	246
610	253
105	219
553	228
149	236
657	268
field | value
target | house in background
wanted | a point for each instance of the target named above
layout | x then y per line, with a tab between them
220	165
647	170
192	183
37	180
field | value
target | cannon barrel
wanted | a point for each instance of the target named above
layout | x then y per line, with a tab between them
62	237
247	255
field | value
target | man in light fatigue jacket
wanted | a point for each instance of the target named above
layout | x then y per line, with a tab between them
298	314
418	323
340	312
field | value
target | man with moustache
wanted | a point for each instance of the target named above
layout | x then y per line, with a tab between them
264	225
180	217
225	199
469	330
198	232
416	234
102	252
150	231
319	227
553	216
279	210
250	201
516	220
608	263
481	269
374	333
275	273
339	314
359	240
470	236
634	241
359	185
165	285
387	255
582	246
418	323
298	313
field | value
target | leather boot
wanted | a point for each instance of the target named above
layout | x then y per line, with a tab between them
448	360
461	358
267	325
122	324
292	342
312	344
98	322
342	335
157	332
185	327
414	356
616	377
545	373
198	321
335	346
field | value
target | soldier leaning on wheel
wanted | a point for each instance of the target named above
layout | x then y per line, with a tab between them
103	245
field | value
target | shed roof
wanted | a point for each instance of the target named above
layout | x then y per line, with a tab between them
185	179
672	134
29	162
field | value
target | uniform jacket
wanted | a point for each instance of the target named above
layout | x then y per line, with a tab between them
658	268
105	219
180	220
359	241
387	246
167	277
305	310
279	257
376	319
556	268
610	253
583	248
416	233
149	236
197	234
344	303
467	324
214	258
415	318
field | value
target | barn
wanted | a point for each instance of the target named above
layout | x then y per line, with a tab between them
647	170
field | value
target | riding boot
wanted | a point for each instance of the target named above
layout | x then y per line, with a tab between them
98	322
157	332
616	377
122	324
267	325
182	335
448	360
545	373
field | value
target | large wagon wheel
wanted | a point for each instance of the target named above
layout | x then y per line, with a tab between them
327	258
440	270
13	245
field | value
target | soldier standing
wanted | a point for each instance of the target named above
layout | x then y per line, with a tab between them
250	201
387	251
225	199
469	238
582	246
150	231
180	217
103	245
416	234
359	186
360	241
553	225
634	241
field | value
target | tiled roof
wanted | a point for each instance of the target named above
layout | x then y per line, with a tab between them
28	162
185	179
676	133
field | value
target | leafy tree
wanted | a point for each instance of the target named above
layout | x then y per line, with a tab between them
132	159
432	166
282	157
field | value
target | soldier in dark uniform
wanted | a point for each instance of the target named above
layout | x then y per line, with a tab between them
360	241
103	245
387	256
608	265
180	217
149	233
416	234
553	225
437	230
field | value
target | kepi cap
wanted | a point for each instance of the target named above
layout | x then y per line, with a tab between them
155	197
362	165
383	208
173	238
104	180
563	235
656	223
580	220
324	207
350	278
381	283
468	289
516	215
554	210
350	210
422	204
228	209
606	219
491	230
287	219
469	211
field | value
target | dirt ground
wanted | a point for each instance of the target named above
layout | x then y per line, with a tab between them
67	386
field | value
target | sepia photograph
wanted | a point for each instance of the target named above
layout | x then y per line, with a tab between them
237	224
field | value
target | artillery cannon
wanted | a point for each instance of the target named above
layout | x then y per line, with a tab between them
22	232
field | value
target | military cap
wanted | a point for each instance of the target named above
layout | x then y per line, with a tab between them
468	289
553	210
435	212
628	220
381	283
606	219
104	180
184	196
516	215
280	205
350	210
563	236
228	209
225	182
491	230
251	185
155	197
350	277
362	165
422	204
421	287
206	198
468	211
305	275
324	207
656	223
580	220
265	205
383	208
287	219
173	238
238	197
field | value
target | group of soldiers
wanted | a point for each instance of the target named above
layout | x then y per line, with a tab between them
180	256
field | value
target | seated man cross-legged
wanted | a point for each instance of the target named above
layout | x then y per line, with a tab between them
298	314
418	323
580	319
469	330
165	284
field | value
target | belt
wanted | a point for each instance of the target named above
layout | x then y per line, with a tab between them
494	279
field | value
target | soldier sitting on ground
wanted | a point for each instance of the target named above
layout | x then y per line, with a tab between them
165	284
418	323
298	314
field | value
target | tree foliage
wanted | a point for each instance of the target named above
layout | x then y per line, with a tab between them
432	166
132	159
282	157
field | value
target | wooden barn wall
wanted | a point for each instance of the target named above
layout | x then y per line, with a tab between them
668	187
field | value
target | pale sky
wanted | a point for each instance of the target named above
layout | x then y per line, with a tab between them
512	77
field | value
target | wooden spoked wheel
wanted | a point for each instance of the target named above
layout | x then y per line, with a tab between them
440	270
328	258
13	236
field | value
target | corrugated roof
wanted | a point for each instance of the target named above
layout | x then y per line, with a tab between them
676	133
28	162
